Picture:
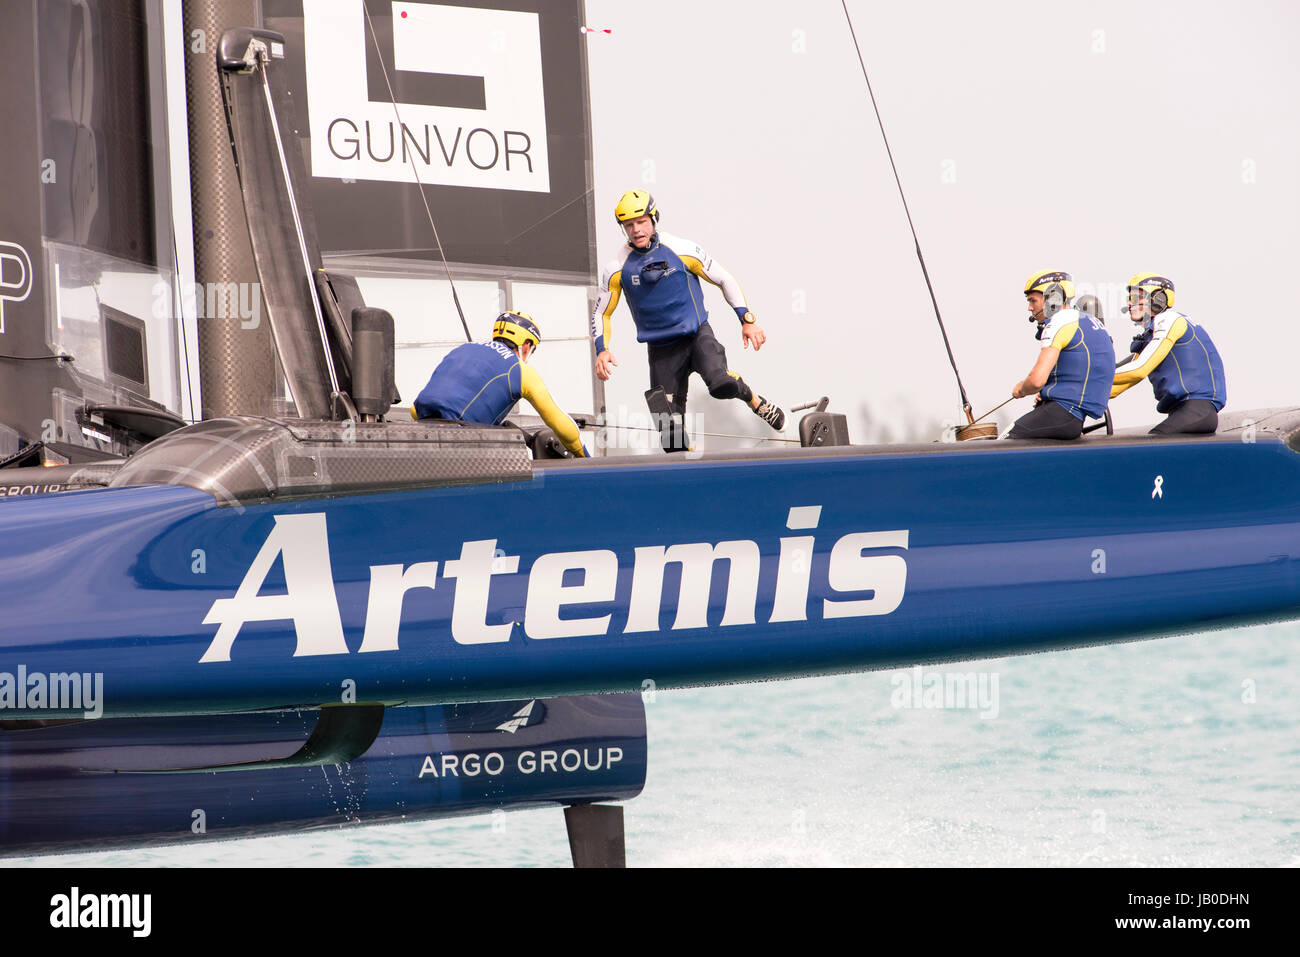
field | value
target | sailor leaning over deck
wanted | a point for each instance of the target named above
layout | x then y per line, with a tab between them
1075	366
482	381
1177	355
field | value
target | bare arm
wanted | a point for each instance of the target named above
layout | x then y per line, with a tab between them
1037	377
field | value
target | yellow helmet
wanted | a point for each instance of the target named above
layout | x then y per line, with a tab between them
1158	290
517	328
1043	281
634	204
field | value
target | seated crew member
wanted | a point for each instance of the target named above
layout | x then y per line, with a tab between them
660	275
1076	363
481	382
1177	355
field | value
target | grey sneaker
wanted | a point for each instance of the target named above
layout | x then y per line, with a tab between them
770	413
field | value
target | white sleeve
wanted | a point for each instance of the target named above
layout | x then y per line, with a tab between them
705	266
712	270
606	302
1159	330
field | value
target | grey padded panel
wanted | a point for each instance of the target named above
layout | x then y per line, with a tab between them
248	460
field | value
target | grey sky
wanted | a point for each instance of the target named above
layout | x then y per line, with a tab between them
1104	138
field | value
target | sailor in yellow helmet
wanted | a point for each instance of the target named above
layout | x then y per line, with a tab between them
1075	365
660	275
482	381
1178	357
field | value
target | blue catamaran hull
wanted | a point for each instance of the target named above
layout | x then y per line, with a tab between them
603	577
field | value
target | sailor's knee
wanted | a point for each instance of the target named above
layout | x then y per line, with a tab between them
724	385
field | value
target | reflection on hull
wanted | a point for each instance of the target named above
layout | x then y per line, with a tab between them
90	785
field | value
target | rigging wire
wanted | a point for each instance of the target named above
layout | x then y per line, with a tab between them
180	321
401	132
264	59
583	195
965	403
994	409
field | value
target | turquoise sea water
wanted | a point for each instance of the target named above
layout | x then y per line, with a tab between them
1177	752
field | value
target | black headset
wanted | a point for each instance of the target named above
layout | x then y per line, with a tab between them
1053	300
1159	299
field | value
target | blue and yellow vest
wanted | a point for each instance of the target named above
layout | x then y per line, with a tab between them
664	295
1081	380
476	382
1191	370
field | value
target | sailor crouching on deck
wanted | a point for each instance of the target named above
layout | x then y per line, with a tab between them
1075	367
1177	355
660	276
481	382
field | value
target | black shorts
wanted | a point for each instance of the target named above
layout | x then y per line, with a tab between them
1047	420
672	362
1193	417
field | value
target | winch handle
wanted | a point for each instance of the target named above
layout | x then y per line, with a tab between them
821	405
